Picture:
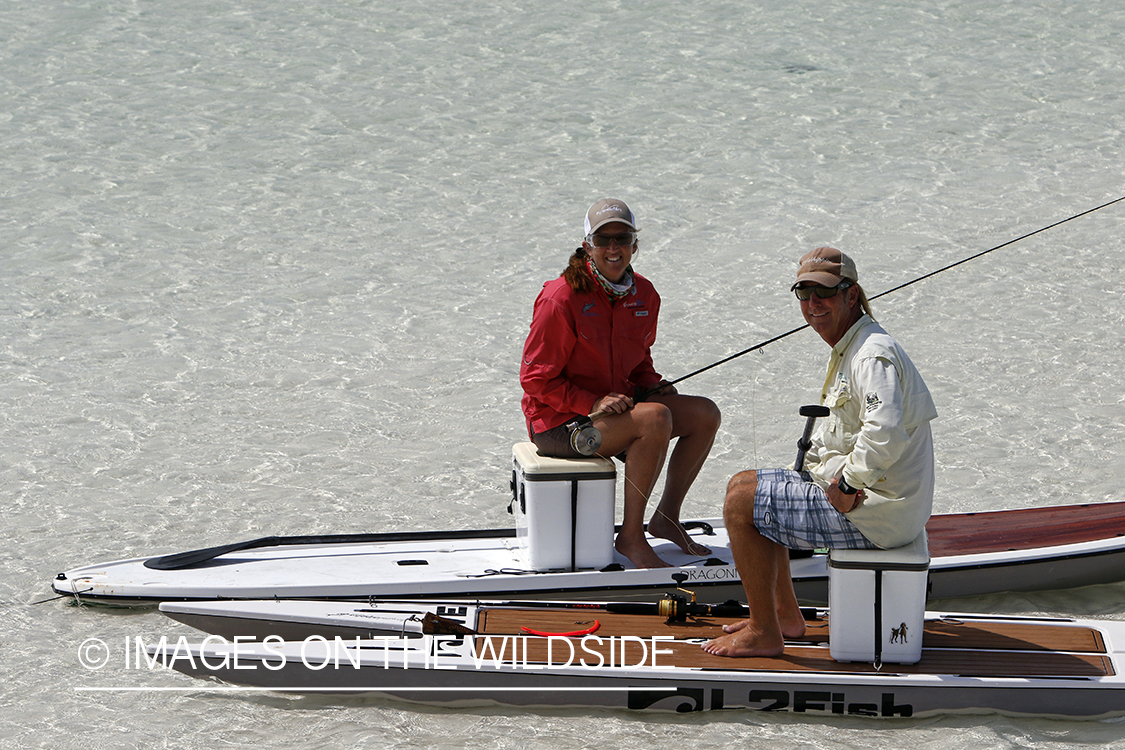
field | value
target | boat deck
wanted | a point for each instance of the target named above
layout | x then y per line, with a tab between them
970	648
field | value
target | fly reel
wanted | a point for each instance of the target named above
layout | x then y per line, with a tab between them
583	436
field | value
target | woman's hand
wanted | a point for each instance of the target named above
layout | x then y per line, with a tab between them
663	388
614	403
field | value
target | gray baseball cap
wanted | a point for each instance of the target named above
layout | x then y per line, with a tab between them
606	211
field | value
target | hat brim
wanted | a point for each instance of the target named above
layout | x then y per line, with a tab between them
596	227
817	277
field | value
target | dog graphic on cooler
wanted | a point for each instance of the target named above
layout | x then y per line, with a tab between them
898	635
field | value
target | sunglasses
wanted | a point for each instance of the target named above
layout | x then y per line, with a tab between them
605	240
824	292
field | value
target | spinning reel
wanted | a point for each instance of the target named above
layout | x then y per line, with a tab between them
677	608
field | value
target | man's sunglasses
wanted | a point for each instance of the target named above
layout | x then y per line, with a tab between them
824	292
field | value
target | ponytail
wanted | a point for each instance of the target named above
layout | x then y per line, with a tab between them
863	303
576	273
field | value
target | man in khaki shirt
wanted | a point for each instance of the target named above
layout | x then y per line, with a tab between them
869	478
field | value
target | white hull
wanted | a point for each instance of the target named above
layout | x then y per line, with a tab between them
492	565
668	673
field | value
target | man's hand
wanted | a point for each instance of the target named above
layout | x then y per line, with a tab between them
843	502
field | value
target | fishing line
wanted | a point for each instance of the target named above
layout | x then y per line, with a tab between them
754	411
688	541
645	394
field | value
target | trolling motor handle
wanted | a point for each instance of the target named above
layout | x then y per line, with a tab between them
811	413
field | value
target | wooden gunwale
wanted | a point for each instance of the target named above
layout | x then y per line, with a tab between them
1024	528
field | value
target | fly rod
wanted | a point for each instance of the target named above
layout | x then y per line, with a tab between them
645	394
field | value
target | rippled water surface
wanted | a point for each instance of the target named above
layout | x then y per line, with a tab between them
268	268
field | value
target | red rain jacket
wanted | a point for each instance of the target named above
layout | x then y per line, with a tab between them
582	347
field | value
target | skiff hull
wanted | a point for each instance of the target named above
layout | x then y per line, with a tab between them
1013	550
520	654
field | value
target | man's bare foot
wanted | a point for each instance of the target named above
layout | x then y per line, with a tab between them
746	642
734	627
792	624
639	553
661	528
790	628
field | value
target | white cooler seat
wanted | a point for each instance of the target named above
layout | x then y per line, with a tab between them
877	603
563	509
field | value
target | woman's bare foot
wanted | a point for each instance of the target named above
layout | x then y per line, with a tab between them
746	641
640	553
661	528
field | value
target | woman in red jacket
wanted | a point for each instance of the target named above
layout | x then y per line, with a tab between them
589	351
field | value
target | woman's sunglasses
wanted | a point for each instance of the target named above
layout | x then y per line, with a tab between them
624	239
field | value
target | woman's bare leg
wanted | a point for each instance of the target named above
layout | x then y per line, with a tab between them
644	431
695	421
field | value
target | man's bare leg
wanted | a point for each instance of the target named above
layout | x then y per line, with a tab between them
764	568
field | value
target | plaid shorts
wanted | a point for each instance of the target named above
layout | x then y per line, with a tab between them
792	511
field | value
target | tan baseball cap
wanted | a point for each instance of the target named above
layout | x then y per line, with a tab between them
606	211
826	266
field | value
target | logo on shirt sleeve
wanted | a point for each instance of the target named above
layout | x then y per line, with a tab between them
873	402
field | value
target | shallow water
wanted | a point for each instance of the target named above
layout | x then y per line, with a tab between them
269	267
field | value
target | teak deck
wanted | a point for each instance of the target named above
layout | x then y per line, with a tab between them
1023	529
987	648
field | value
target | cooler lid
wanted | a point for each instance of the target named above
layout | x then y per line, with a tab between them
913	556
535	466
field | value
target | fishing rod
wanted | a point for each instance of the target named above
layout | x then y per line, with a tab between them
645	394
586	439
